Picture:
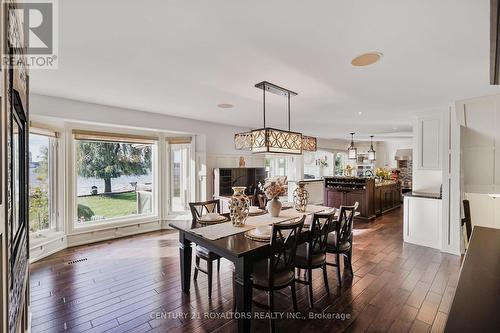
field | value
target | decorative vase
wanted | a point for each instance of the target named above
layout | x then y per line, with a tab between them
300	198
239	206
274	207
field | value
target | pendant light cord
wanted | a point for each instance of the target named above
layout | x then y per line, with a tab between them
288	112
264	103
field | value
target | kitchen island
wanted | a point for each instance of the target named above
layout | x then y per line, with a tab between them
374	198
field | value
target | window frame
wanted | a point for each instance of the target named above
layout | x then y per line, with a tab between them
53	183
170	213
76	227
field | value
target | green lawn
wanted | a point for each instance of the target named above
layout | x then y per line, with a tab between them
109	205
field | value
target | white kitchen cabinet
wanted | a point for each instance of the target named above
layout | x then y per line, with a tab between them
429	143
422	221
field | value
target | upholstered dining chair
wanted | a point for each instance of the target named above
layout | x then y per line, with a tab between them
199	209
339	242
278	272
312	254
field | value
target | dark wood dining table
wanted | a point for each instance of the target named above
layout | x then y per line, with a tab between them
238	249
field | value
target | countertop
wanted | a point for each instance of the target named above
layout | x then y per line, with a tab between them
476	304
423	195
385	183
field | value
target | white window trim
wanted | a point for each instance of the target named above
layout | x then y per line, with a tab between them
54	190
170	214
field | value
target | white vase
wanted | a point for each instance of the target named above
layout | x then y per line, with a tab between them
239	206
274	207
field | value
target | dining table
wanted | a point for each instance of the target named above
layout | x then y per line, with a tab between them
231	243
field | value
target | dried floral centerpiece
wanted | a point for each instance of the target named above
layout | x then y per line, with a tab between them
273	190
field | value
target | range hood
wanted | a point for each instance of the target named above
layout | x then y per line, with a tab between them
404	155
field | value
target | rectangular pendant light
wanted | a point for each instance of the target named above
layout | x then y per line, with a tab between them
272	140
269	140
309	143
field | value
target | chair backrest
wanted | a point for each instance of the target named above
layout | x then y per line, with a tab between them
262	200
318	234
201	208
284	246
467	219
344	225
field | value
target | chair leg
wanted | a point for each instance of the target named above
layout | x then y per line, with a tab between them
310	285
209	273
271	310
338	269
294	297
218	265
350	262
325	277
197	261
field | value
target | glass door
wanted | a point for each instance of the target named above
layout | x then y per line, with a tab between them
180	177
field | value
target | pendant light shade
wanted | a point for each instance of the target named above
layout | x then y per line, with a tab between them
352	152
273	140
371	152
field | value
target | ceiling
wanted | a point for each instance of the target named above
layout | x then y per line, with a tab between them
184	57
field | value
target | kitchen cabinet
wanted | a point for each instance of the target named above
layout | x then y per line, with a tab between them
422	221
429	132
347	191
387	197
374	198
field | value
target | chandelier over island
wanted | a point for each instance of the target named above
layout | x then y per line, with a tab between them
273	140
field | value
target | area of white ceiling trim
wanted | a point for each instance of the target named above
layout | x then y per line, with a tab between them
183	58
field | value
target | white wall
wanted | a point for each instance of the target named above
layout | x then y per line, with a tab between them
480	119
387	151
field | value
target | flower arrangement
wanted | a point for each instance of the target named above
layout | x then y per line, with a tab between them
273	189
383	173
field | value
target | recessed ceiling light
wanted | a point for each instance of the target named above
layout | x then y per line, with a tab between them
225	105
366	59
360	113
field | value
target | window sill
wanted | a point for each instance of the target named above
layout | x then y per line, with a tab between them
113	224
43	238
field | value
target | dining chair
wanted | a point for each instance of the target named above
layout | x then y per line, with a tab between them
467	219
262	199
339	242
312	254
277	272
199	209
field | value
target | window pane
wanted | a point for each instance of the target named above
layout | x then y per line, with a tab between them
276	166
340	163
114	179
180	164
318	164
39	173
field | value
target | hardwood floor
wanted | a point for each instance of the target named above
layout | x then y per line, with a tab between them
133	285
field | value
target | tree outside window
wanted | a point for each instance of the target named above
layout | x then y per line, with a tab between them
114	179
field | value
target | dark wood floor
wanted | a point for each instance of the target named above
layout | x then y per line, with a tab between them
122	285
